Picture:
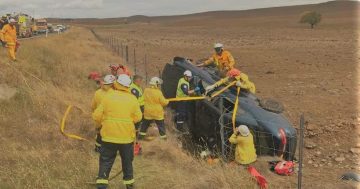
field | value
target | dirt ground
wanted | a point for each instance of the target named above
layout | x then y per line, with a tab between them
311	71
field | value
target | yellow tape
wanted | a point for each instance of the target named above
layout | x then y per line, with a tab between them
223	89
62	126
235	109
186	98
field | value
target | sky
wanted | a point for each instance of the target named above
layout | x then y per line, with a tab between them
123	8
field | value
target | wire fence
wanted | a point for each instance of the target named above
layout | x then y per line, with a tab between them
130	55
266	143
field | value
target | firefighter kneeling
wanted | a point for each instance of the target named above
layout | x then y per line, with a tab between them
117	114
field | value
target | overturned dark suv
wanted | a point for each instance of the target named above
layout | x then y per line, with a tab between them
211	119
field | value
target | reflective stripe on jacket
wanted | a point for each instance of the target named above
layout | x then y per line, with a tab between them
154	104
117	114
179	90
140	97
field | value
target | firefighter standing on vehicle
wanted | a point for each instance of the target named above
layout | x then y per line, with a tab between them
183	90
136	90
222	59
154	108
245	152
8	38
117	114
234	75
106	88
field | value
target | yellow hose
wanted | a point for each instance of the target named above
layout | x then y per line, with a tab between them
62	126
223	89
186	98
236	106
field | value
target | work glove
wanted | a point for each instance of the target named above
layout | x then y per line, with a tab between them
197	89
238	84
210	88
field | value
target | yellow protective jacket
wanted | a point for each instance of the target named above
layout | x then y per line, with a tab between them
138	92
245	152
224	62
99	95
179	92
154	104
8	34
117	113
244	80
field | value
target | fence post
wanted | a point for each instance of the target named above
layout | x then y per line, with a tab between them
122	51
135	60
127	54
301	150
145	64
159	71
221	108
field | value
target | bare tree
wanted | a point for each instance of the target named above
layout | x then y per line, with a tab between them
311	17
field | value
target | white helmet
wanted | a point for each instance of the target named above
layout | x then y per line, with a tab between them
109	79
188	73
124	80
218	45
12	20
155	81
243	130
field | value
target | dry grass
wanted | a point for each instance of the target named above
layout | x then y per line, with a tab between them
51	73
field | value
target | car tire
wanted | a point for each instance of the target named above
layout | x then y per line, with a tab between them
271	105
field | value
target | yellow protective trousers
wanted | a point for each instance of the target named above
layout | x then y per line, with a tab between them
11	51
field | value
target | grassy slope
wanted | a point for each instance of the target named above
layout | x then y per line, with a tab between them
34	153
51	73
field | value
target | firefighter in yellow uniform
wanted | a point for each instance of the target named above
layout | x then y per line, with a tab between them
234	74
245	152
154	108
8	38
183	90
136	90
117	114
222	59
106	88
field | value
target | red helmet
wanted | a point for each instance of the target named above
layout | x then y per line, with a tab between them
233	72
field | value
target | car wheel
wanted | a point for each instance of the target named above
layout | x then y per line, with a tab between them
271	105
